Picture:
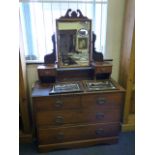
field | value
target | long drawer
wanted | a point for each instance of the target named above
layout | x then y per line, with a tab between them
81	132
102	100
57	102
58	118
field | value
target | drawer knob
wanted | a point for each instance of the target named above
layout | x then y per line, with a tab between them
99	115
58	104
100	132
101	101
60	136
59	120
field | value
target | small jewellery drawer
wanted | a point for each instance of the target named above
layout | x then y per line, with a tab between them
80	132
57	102
47	72
59	118
100	70
102	100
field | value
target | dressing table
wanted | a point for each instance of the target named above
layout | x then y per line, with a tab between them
75	101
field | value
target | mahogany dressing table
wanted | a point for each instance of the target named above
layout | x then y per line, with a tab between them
75	101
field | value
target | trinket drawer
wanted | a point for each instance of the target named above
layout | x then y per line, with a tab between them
76	119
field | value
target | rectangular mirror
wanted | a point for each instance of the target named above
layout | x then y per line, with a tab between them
66	87
73	42
99	85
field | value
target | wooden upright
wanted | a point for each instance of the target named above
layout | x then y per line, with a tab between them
24	115
127	66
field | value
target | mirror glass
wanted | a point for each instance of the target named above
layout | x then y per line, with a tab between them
73	43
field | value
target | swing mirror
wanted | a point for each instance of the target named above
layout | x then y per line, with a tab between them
73	40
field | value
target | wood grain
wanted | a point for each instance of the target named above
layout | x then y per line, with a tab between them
78	132
76	119
77	144
66	117
127	64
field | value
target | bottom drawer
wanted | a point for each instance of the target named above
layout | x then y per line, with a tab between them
80	132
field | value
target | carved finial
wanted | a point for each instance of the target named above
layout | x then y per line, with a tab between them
74	14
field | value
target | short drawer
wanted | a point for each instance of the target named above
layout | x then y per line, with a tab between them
104	69
57	102
47	72
81	132
59	118
102	100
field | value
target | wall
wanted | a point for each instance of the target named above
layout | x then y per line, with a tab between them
114	36
32	76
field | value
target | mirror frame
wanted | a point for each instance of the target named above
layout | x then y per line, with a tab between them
74	17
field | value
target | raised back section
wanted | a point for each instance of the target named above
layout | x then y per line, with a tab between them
97	71
74	55
73	74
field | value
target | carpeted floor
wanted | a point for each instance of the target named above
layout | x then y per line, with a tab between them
125	146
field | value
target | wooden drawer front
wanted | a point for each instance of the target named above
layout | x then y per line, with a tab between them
110	100
81	132
57	103
47	72
107	69
58	118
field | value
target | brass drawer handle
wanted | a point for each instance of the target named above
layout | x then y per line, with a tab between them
99	115
60	136
59	120
101	101
99	132
58	104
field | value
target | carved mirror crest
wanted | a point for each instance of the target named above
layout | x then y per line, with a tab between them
73	40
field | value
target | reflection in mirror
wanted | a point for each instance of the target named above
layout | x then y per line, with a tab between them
83	32
73	40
